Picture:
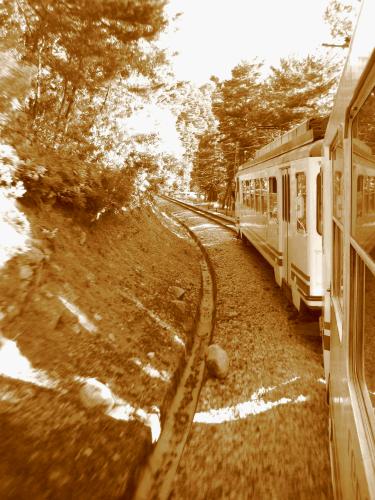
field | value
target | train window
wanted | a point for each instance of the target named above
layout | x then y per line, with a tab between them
301	202
319	204
362	313
337	156
363	175
272	189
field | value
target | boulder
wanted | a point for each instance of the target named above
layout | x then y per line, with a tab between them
95	394
217	361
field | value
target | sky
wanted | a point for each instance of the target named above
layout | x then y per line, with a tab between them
212	36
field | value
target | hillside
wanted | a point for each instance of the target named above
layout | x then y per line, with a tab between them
113	300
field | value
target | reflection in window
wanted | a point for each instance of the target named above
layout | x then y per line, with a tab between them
363	175
369	334
273	198
337	156
301	202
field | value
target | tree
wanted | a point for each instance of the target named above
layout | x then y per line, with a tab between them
194	116
209	170
88	56
239	106
340	15
299	89
78	47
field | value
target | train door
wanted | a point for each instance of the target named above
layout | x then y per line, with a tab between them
285	223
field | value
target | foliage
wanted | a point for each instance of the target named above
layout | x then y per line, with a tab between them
73	65
340	15
251	111
192	106
209	172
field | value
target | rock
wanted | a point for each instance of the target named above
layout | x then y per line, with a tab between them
95	394
177	292
25	272
50	234
217	361
150	355
88	452
180	308
98	317
90	277
76	328
35	256
82	238
111	337
13	311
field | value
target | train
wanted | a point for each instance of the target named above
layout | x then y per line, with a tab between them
307	203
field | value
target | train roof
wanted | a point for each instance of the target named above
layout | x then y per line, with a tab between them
301	142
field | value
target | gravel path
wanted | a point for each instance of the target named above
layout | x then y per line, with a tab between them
262	432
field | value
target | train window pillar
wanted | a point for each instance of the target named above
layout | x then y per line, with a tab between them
301	202
264	207
337	157
319	203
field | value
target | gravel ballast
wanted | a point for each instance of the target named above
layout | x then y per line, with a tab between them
262	432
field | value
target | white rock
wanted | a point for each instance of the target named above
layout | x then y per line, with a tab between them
95	394
150	355
217	361
98	317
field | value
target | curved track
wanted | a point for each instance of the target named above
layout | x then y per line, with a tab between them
226	222
156	478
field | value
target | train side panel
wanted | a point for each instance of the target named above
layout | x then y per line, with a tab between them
349	268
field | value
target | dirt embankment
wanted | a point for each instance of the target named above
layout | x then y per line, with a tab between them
112	301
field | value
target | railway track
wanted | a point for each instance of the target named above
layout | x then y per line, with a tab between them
274	374
224	221
156	479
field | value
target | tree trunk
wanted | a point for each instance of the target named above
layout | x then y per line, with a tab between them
38	90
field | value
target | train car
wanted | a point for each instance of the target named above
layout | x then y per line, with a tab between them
349	268
279	209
